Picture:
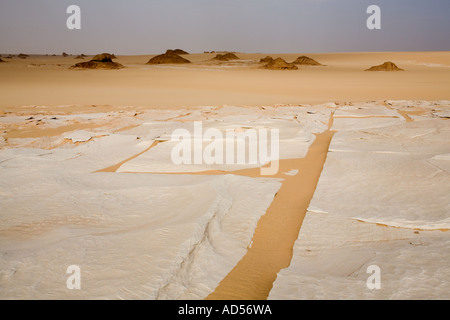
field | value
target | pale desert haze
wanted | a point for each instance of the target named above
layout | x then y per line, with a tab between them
87	179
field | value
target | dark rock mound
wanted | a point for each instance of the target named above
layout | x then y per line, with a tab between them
103	57
97	65
22	56
280	64
81	56
306	61
180	52
387	66
267	59
226	57
167	58
100	61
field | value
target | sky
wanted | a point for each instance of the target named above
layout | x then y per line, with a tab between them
253	26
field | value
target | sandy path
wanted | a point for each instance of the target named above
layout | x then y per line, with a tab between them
403	227
115	167
271	250
363	117
407	113
32	131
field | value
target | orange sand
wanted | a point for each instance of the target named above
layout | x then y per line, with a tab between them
204	83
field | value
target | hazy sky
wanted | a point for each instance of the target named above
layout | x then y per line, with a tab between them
266	26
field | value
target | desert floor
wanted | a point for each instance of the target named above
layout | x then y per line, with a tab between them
86	179
46	81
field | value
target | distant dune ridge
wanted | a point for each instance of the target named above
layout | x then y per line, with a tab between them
306	61
280	64
81	56
180	51
100	61
226	57
167	58
387	66
267	59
